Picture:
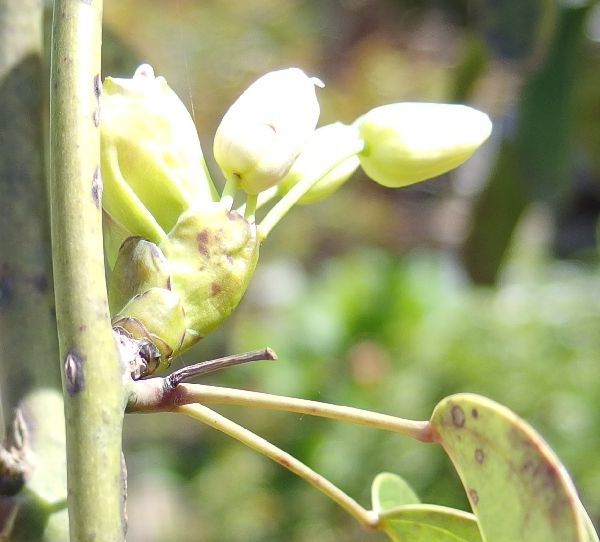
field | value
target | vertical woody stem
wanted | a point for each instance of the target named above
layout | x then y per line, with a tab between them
92	376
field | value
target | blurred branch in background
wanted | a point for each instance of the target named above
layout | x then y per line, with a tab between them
28	344
535	162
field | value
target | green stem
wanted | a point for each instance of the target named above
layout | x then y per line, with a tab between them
92	372
154	395
229	191
264	197
259	444
250	209
281	208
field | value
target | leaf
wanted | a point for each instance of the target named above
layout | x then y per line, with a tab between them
390	491
430	523
517	487
43	413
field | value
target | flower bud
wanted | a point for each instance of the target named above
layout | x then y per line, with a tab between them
173	294
140	265
410	142
265	129
325	142
152	164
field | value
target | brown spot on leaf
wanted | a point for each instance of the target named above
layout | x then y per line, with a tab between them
458	416
474	413
479	455
215	289
473	497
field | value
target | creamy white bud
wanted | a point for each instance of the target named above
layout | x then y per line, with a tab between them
266	128
409	142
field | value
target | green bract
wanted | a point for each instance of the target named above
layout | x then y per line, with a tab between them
326	141
152	163
174	293
409	142
266	128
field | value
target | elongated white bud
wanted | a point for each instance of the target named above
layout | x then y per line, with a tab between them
410	142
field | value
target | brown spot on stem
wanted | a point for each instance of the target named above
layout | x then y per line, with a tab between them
74	379
458	416
97	187
474	413
97	80
479	456
96	117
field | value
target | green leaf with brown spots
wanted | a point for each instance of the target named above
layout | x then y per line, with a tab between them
517	487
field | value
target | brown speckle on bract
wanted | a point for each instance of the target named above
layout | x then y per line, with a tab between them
202	242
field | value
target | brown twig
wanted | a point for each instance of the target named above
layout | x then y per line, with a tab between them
204	367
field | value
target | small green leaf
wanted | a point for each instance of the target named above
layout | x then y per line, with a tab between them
592	536
517	487
390	491
427	522
407	531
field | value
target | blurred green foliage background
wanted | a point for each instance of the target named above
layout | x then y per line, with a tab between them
486	280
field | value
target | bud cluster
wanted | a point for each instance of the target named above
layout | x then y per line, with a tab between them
180	256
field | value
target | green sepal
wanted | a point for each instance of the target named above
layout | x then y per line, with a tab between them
156	315
140	265
212	253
